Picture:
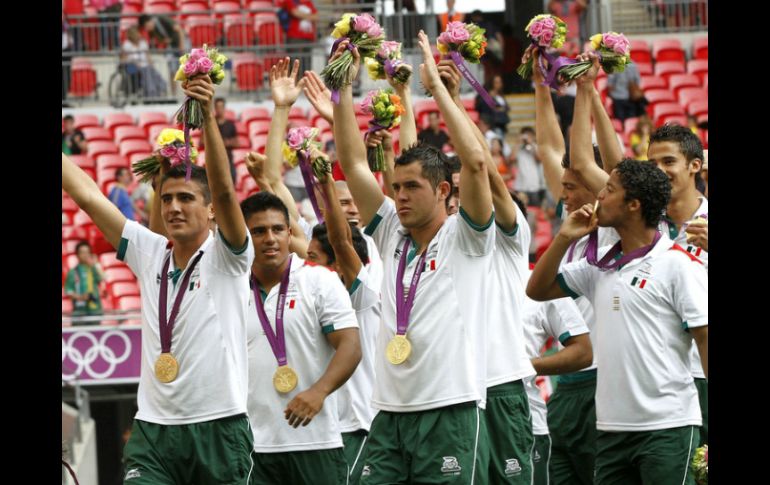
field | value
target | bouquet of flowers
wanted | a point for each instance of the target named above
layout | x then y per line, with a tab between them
198	61
386	110
171	147
388	60
301	147
364	33
700	465
465	42
544	31
614	53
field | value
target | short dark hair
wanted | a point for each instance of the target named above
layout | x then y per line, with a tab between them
321	234
526	129
143	19
454	164
521	205
82	244
689	144
433	162
644	182
197	174
597	157
68	118
119	171
219	99
262	201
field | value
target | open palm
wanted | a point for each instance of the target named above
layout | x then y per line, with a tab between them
284	87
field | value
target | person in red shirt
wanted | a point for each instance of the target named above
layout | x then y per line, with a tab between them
302	30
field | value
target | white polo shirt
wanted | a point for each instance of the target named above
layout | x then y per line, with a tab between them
447	326
680	237
507	359
643	311
316	304
209	336
355	397
560	319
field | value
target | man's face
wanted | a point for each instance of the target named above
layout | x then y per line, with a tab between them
69	125
574	193
454	205
349	206
125	177
84	255
670	159
184	209
613	208
433	119
417	203
219	109
270	237
316	254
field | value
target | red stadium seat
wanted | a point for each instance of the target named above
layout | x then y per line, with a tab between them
123	133
249	114
152	118
82	80
700	48
118	274
110	161
666	69
667	113
248	71
113	120
699	67
129	147
688	96
96	133
678	82
668	50
97	148
640	51
652	82
129	303
122	289
657	96
85	120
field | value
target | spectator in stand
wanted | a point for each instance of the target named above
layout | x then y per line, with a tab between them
433	135
492	61
571	12
119	193
640	137
136	58
498	115
142	196
530	178
66	57
451	15
227	130
111	22
162	32
73	142
82	283
627	97
303	15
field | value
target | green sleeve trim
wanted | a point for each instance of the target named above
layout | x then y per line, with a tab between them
372	226
566	289
327	329
559	209
509	234
122	248
564	337
232	249
475	226
354	286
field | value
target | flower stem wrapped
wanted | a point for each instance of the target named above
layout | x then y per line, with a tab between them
386	110
614	53
171	148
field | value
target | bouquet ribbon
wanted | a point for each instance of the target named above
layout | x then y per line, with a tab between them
336	94
550	75
188	173
310	183
460	63
391	65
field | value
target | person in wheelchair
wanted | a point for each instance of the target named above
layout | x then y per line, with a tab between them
141	78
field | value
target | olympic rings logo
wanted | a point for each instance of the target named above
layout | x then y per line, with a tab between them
97	351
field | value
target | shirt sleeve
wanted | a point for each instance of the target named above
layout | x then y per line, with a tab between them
363	294
333	306
517	240
232	260
564	319
138	245
384	223
689	293
472	239
577	279
69	285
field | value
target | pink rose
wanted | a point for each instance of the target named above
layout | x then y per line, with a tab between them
374	31
621	46
549	23
367	103
545	38
197	54
609	40
362	23
295	138
204	65
457	33
388	47
191	68
168	151
181	153
536	29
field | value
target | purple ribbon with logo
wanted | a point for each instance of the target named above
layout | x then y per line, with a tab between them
310	183
392	65
404	306
276	339
335	93
460	63
167	326
550	75
609	262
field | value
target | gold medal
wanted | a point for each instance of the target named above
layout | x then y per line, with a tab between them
398	350
698	221
284	379
595	213
166	368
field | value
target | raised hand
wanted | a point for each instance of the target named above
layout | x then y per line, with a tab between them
319	95
284	87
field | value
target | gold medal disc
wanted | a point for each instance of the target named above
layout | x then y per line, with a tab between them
284	379
398	350
166	368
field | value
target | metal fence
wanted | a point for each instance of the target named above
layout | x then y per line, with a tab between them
653	16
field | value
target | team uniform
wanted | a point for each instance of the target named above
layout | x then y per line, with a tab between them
199	418
646	402
429	427
316	304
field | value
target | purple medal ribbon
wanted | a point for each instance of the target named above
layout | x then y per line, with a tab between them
460	63
608	261
572	247
188	173
276	339
550	77
335	93
167	327
310	183
404	306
